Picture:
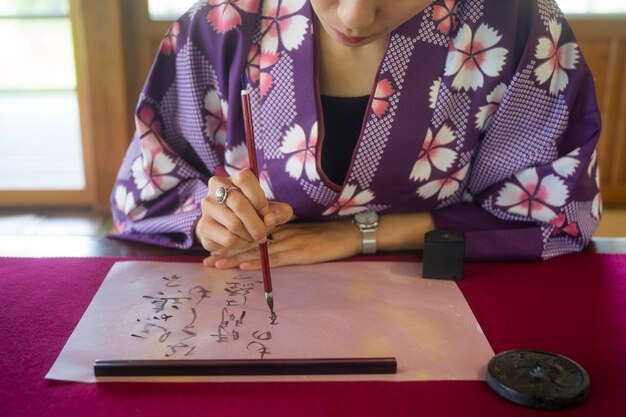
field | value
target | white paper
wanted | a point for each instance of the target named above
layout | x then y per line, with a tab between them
161	310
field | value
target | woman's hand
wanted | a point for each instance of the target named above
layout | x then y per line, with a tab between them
297	244
242	220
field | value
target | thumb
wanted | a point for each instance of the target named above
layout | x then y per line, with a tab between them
279	213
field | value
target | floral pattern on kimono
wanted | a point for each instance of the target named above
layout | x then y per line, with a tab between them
483	113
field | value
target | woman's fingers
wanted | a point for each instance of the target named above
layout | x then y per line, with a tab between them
228	204
236	214
232	260
221	239
279	213
251	189
229	220
246	214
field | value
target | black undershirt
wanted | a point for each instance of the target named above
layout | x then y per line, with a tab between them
343	117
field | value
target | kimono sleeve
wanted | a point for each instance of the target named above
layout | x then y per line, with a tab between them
545	199
178	142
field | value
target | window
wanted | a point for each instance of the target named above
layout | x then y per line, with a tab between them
592	6
168	9
40	136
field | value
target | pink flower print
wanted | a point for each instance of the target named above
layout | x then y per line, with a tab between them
473	56
217	118
380	103
302	151
533	197
253	66
125	203
560	226
150	174
266	81
444	187
485	113
282	25
225	14
349	203
434	153
566	165
445	15
259	64
168	44
220	171
188	205
236	159
119	226
146	121
558	59
149	130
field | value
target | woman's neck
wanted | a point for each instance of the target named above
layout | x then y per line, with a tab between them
348	71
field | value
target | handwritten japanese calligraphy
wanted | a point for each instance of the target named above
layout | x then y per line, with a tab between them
175	312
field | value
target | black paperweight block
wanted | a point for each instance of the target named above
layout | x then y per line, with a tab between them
444	252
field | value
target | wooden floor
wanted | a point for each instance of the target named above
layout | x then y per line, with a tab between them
85	223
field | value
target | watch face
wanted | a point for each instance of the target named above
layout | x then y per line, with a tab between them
366	218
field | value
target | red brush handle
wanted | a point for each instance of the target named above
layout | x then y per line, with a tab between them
247	121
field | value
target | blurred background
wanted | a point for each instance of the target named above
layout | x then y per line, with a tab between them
72	70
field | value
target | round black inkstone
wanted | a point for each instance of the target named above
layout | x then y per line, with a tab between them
538	379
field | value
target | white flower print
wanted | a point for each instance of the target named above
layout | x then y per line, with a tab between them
281	24
473	56
349	203
434	92
150	174
566	165
592	162
596	204
302	151
434	153
485	113
266	183
444	187
125	203
533	197
217	118
557	58
236	159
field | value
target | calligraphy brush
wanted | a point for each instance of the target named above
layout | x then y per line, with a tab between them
247	120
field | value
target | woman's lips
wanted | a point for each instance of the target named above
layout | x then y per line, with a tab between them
350	39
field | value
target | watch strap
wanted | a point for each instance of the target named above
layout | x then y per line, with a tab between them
368	241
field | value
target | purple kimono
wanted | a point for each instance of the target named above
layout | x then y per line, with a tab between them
483	113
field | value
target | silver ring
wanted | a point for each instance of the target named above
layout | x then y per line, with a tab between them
221	194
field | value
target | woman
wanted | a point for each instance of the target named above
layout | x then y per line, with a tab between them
474	115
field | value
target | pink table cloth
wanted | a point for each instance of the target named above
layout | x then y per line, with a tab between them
574	305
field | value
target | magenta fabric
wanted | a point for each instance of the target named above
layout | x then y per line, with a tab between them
573	305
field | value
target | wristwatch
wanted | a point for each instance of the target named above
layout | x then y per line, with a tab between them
368	224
